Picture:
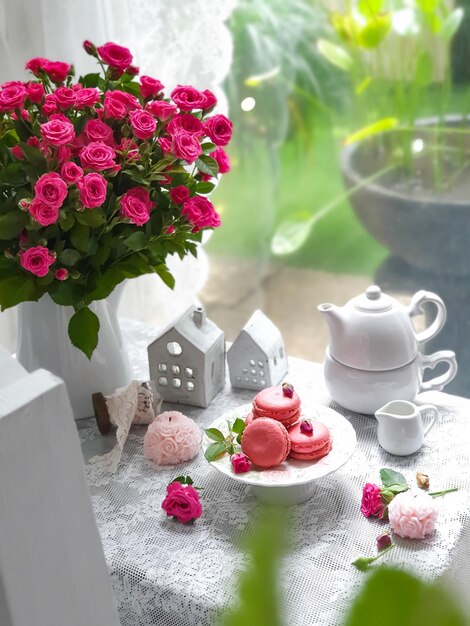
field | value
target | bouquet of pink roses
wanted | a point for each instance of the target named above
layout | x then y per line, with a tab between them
100	179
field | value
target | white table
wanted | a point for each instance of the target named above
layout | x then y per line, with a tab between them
169	574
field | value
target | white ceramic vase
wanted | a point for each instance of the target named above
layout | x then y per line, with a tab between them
43	343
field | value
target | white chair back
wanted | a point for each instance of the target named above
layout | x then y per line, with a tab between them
52	567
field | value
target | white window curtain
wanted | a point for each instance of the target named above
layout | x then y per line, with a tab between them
183	41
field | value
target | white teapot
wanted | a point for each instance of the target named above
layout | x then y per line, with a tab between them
374	353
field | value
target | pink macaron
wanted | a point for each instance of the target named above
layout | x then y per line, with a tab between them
266	442
310	440
273	402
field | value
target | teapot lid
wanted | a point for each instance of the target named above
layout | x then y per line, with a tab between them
373	300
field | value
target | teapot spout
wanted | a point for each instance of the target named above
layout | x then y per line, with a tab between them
334	319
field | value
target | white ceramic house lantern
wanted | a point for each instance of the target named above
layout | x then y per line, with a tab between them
187	360
257	358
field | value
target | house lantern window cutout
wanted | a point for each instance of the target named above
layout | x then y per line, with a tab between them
187	360
257	358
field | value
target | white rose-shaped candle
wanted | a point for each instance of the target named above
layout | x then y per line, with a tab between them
412	515
172	438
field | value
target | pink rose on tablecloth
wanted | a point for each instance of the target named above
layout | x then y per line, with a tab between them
371	503
115	55
188	123
136	205
97	130
61	274
179	194
143	124
35	65
412	515
56	70
36	260
201	213
186	146
172	438
93	188
98	156
222	160
86	97
35	92
182	502
57	132
219	129
187	97
65	98
149	86
240	463
161	110
12	97
51	189
71	172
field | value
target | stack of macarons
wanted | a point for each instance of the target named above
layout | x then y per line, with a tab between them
275	429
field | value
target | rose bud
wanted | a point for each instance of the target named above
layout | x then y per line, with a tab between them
24	204
133	70
422	480
240	463
90	48
306	427
383	541
287	390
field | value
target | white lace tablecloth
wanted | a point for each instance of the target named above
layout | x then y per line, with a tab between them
169	574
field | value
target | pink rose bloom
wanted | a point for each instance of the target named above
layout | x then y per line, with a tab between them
143	124
136	205
182	502
50	105
412	515
65	98
201	213
172	438
36	260
219	129
86	97
12	97
149	86
35	92
44	214
57	132
186	146
129	148
61	274
93	188
71	172
179	194
222	160
240	463
17	152
56	70
165	145
97	156
161	110
188	98
117	104
35	65
51	189
209	100
115	55
96	130
188	123
371	503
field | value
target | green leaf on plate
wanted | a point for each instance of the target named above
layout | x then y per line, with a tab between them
238	426
390	477
215	434
214	450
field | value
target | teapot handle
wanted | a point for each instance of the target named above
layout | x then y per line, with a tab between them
430	361
416	308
